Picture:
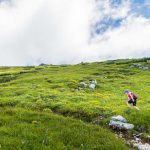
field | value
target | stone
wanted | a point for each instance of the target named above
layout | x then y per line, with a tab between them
138	65
138	135
121	125
137	139
119	118
141	146
92	86
84	84
145	68
132	141
94	81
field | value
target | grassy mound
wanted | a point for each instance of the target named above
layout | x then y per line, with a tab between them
30	130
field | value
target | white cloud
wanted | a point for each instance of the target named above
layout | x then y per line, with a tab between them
58	31
115	12
130	40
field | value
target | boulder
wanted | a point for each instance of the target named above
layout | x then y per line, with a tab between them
83	84
145	68
92	86
138	65
141	146
119	118
121	125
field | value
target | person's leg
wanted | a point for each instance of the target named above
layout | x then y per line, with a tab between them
128	110
134	105
136	108
128	104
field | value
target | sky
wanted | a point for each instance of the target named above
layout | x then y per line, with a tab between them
73	31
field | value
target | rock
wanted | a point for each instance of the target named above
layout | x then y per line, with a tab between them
92	86
138	135
137	139
138	65
83	84
94	82
140	146
120	135
145	68
119	118
132	141
121	125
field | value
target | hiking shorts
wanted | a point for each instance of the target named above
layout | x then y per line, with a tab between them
131	102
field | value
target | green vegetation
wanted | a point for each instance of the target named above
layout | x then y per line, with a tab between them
41	107
26	129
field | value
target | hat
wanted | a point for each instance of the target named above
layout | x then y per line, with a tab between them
126	91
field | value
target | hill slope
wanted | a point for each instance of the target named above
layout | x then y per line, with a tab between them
30	97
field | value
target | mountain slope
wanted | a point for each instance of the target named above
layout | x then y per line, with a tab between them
31	96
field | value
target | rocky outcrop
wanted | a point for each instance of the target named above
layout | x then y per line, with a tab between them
140	66
120	122
91	84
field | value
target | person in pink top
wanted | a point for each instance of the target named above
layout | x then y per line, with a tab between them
132	99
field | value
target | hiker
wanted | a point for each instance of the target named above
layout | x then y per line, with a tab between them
132	98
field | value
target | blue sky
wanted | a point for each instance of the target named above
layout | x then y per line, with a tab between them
71	31
141	7
137	7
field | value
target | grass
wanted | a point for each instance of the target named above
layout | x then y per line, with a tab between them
30	98
25	129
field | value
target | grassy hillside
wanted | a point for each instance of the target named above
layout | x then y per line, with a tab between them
33	100
30	130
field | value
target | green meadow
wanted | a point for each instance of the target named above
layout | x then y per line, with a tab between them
47	107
